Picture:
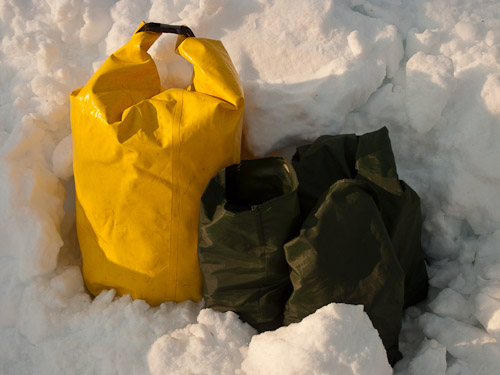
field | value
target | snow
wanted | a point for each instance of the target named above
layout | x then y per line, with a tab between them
430	81
491	94
428	70
430	359
219	341
318	345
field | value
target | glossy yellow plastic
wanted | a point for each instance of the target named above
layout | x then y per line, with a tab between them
142	158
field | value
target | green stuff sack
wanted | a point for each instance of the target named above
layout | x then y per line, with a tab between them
248	212
344	254
369	158
360	240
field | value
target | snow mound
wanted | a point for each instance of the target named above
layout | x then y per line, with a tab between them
318	345
216	344
310	68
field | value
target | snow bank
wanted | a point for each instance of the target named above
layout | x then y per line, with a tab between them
306	68
219	343
429	71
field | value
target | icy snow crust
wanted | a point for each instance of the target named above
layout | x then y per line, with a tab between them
428	70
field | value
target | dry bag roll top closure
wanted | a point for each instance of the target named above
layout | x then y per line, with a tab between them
142	158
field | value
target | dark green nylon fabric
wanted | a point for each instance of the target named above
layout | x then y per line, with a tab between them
328	159
248	211
344	254
360	240
399	207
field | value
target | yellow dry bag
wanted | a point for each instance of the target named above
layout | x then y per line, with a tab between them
142	158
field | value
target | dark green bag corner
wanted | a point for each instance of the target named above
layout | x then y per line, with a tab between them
248	211
350	233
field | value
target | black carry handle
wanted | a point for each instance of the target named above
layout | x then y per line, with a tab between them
164	28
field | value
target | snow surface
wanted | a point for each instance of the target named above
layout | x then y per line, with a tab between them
428	70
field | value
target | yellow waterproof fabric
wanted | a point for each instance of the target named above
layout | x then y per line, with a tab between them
142	158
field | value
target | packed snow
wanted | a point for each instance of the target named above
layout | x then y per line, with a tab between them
428	70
